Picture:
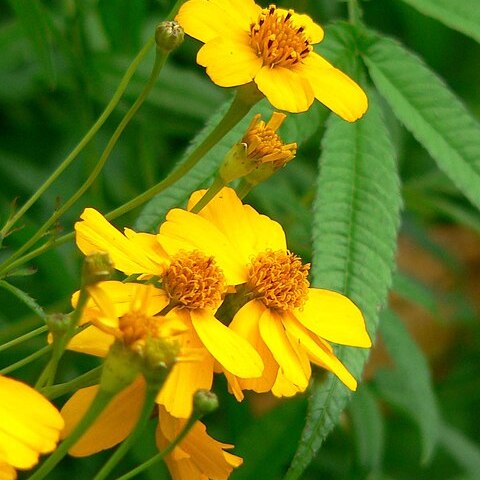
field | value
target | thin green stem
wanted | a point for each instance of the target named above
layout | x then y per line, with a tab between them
159	62
209	195
84	141
148	404
23	338
101	400
243	189
86	380
354	12
26	360
161	455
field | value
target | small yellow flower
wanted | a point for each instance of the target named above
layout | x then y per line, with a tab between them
272	47
288	322
198	456
29	426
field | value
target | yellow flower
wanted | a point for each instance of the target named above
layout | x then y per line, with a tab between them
29	426
199	456
288	322
273	48
195	275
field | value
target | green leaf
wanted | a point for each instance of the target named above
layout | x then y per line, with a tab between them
297	127
462	449
24	297
356	218
461	15
433	114
34	21
409	385
415	291
368	428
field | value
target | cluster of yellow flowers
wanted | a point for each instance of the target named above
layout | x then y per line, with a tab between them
218	282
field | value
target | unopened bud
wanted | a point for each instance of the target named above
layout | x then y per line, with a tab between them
58	324
97	267
158	357
169	35
204	402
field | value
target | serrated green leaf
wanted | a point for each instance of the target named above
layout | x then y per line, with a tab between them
356	218
368	428
154	212
461	15
462	449
409	386
33	19
24	297
433	114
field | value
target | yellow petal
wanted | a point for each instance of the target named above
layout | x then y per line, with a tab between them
283	387
186	231
114	424
285	89
334	317
94	233
29	424
245	323
230	62
249	232
273	334
186	376
7	472
208	19
312	31
233	352
333	88
91	341
318	353
148	243
204	453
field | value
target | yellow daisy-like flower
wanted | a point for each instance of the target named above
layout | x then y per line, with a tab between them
199	456
195	275
288	322
273	48
29	426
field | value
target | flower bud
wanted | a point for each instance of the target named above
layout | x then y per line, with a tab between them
97	267
204	402
168	35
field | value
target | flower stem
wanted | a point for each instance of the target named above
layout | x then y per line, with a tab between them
159	62
26	360
86	380
354	12
243	189
101	400
148	404
209	195
161	455
83	142
23	338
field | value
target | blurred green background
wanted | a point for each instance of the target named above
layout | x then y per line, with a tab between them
60	63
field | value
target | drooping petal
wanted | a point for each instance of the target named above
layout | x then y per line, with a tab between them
247	230
273	334
333	88
283	387
209	19
229	62
232	351
318	353
312	31
91	341
114	423
7	472
333	316
198	455
94	233
29	424
245	323
285	89
186	231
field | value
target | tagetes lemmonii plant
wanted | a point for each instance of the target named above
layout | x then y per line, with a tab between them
272	47
29	426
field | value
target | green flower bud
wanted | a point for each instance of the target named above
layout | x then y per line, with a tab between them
169	35
97	267
204	402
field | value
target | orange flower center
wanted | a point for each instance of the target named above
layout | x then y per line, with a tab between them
136	327
277	40
279	279
263	143
194	281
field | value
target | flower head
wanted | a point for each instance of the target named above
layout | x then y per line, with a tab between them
272	47
29	426
290	323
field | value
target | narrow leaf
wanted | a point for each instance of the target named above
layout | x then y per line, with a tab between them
409	385
33	19
461	15
356	218
24	297
433	114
